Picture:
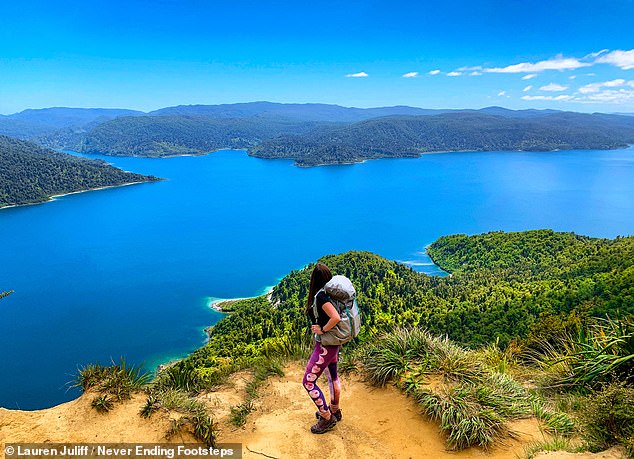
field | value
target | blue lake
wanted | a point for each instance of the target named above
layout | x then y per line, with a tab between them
130	271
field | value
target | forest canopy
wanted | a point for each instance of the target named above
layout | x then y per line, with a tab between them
30	173
523	287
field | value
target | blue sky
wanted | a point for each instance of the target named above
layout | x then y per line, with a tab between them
141	54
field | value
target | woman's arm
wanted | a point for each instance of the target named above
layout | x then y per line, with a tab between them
333	320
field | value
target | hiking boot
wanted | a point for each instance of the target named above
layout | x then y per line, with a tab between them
324	425
336	414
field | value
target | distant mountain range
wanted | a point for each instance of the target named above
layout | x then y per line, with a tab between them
314	134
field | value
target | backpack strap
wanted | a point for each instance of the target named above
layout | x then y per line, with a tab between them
339	306
315	308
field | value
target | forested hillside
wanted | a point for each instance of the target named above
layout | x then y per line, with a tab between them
30	173
317	142
314	134
394	137
179	134
527	287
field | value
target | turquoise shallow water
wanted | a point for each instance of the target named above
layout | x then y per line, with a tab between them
129	271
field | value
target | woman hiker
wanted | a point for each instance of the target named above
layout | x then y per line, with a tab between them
324	358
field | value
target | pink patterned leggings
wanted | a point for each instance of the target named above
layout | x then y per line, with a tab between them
324	358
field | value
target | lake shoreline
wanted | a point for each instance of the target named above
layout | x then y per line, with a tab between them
416	155
54	197
438	152
217	304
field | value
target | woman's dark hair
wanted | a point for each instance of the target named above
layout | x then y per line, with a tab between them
320	276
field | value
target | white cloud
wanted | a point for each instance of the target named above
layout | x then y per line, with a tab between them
556	63
572	77
528	88
562	97
410	75
598	53
434	72
619	91
609	96
475	73
357	75
454	74
502	93
596	87
623	59
553	87
618	58
477	68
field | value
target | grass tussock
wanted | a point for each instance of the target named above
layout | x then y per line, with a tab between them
239	413
464	421
557	443
194	413
185	376
471	394
556	422
407	349
116	382
102	403
471	408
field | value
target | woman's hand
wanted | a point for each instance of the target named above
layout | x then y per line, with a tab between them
317	329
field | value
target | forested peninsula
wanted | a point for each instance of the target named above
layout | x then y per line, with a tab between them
30	173
507	287
411	136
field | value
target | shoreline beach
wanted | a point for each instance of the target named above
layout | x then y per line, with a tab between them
54	197
217	303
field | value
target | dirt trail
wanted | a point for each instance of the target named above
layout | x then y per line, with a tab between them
377	423
77	422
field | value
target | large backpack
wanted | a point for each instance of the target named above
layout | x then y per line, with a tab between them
343	297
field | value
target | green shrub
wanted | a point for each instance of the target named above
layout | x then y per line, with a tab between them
601	354
608	417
